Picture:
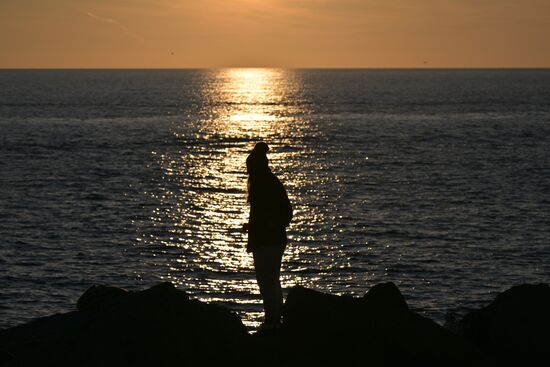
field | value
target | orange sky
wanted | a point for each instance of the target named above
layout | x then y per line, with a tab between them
279	33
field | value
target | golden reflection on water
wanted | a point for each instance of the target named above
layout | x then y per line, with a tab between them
207	205
252	103
252	90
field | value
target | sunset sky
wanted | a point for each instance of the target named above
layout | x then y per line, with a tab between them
274	33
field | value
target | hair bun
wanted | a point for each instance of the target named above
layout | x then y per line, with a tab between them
260	147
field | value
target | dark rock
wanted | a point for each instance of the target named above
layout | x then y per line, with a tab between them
385	295
155	327
99	296
515	326
311	310
379	325
161	326
46	341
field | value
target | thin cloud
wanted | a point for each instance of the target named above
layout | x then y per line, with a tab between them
114	22
106	20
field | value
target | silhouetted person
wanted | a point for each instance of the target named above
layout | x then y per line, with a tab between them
270	214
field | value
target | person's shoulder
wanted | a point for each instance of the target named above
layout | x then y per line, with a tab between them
277	180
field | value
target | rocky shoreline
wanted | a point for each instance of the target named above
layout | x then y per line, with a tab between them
162	326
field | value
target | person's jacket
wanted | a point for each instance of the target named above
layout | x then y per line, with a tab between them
270	212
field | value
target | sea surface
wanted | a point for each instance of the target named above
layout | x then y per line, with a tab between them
437	180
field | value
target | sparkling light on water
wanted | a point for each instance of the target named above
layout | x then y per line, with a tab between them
354	225
206	200
126	177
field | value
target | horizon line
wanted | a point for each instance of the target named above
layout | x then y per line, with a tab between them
288	68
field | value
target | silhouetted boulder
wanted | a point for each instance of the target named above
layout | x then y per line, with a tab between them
385	295
379	326
156	327
99	296
515	326
45	341
161	326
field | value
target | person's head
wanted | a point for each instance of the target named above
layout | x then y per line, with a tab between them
257	160
258	169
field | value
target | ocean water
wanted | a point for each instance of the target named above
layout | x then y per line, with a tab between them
437	180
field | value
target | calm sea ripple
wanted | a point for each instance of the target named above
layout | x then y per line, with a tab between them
437	180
